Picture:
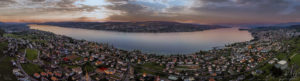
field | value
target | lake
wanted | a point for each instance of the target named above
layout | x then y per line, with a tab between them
158	43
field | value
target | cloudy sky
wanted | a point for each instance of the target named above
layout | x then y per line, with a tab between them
192	11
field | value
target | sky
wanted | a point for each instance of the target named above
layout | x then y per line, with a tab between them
190	11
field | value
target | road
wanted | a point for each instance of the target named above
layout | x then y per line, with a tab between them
22	70
293	55
126	77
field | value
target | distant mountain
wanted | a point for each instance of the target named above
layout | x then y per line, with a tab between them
149	26
267	25
284	26
296	27
287	24
1	23
14	27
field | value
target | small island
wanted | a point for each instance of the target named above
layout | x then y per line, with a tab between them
148	26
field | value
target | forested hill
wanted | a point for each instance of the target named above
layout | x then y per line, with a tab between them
149	26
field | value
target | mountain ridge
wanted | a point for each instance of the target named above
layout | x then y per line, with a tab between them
147	26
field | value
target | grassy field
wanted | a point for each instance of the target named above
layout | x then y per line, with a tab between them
31	68
150	68
153	66
6	69
3	45
69	66
296	59
5	65
12	35
31	54
29	37
282	56
295	44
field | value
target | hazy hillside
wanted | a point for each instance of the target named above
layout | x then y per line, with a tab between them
150	26
14	27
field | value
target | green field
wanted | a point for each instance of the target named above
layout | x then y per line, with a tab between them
296	59
5	65
30	69
6	69
3	45
282	56
153	66
12	35
17	36
29	37
69	66
150	68
295	45
31	54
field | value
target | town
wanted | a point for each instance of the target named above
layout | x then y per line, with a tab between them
149	40
43	56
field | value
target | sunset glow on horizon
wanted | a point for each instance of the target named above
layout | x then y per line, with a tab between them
191	11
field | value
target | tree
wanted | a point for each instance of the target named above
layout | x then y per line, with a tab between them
276	71
1	32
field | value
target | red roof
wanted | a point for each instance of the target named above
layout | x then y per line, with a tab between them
103	68
66	59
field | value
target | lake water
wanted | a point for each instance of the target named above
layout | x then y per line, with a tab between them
158	43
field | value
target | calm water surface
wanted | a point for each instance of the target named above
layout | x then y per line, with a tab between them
159	43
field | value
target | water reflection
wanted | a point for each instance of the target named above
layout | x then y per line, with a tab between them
161	43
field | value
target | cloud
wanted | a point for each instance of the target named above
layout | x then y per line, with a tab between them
38	0
207	11
42	9
128	10
52	5
4	3
198	11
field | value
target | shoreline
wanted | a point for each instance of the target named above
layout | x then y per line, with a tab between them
164	54
137	27
127	31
